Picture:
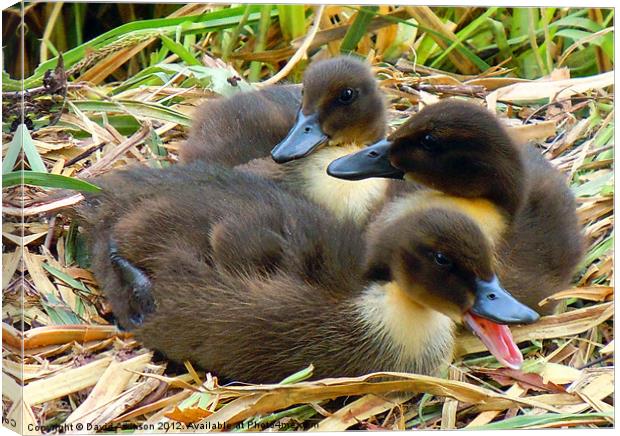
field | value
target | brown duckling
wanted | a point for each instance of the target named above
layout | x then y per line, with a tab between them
272	289
342	111
463	152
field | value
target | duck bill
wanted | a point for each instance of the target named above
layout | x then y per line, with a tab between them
493	308
496	304
303	138
373	161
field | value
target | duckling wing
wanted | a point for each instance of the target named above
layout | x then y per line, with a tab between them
544	245
233	131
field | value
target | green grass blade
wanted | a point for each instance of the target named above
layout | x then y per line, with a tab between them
292	20
47	180
202	23
532	421
598	251
179	50
147	110
499	33
58	310
76	284
234	35
464	34
302	375
358	29
30	150
261	38
13	150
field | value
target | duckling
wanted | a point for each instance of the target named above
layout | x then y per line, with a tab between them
321	292
463	153
342	111
234	131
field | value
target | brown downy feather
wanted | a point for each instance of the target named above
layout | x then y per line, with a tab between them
254	283
233	131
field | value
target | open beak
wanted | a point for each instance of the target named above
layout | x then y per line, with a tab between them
373	161
493	308
303	138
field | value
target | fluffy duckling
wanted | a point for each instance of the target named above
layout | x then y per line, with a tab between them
272	289
461	151
234	131
342	111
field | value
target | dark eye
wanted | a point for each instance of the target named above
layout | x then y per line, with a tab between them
429	142
442	260
347	95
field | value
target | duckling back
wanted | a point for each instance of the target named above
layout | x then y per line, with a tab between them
543	246
225	217
233	131
249	281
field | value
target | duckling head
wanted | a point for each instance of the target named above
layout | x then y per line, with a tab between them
341	104
440	260
452	146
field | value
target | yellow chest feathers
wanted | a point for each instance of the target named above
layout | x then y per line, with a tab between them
343	197
411	333
489	218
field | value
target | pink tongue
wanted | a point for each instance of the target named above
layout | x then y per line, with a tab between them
497	339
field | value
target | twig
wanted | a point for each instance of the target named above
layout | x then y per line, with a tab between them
469	90
48	207
50	232
300	53
84	154
34	92
595	361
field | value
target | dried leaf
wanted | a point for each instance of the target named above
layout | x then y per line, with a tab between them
507	377
590	293
188	415
551	89
66	382
361	410
115	379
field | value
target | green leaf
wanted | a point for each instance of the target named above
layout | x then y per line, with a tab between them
584	23
298	376
30	150
23	140
12	152
539	420
598	251
179	50
594	186
132	107
66	278
58	311
47	180
357	29
292	20
202	23
9	84
577	35
464	34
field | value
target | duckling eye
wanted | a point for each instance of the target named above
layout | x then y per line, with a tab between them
442	260
429	142
347	95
